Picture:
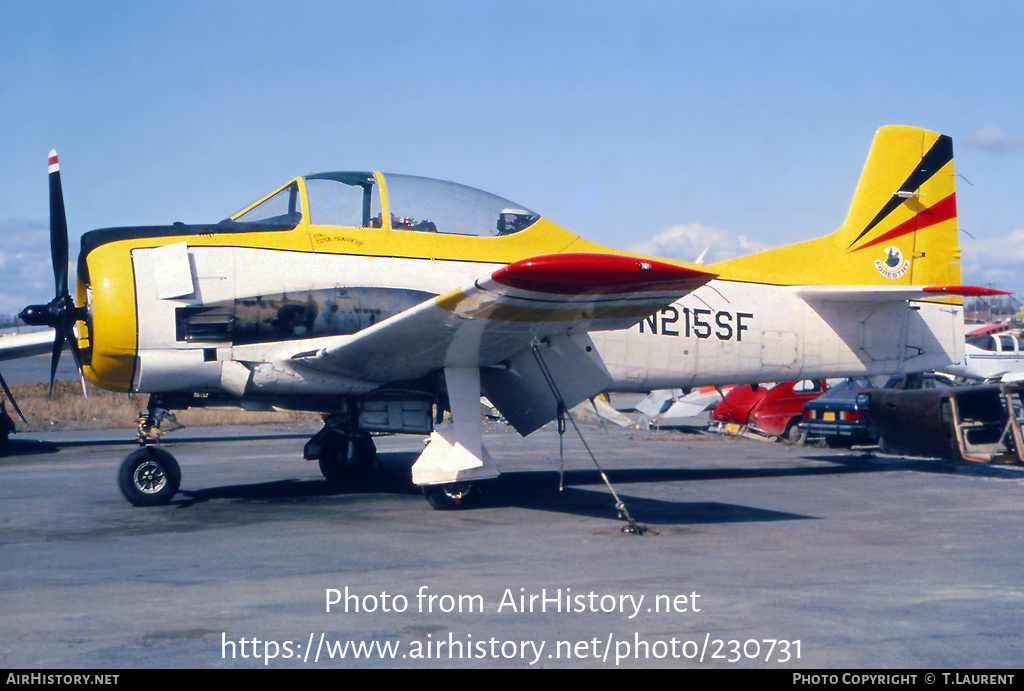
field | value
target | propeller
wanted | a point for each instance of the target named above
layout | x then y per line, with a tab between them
10	397
60	313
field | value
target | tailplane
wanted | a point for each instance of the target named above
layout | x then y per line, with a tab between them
901	228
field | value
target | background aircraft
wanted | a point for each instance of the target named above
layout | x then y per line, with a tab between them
383	301
991	354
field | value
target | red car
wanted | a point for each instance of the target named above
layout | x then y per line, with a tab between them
775	411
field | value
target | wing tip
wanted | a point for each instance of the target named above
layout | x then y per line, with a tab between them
596	273
965	291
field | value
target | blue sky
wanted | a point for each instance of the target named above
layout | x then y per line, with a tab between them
671	124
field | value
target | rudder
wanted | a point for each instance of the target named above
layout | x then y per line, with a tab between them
901	227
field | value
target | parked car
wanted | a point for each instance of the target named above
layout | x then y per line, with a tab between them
775	411
835	418
970	423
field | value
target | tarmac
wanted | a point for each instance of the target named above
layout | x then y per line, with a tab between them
757	554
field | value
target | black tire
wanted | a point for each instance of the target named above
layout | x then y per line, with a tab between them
335	465
364	455
332	464
793	434
451	496
149	477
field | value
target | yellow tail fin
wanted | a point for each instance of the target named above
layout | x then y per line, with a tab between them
901	227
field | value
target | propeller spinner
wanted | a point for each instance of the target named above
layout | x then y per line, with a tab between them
60	313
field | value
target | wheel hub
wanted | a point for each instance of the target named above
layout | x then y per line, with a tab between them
457	491
150	478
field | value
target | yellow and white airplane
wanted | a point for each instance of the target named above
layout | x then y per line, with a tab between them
383	300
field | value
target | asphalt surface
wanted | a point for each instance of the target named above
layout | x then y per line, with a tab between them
758	555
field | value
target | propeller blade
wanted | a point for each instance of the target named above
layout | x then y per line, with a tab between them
58	228
64	334
10	397
76	353
58	345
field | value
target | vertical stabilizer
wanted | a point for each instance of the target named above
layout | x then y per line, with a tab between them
901	227
902	223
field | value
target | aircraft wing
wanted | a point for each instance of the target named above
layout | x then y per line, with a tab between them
502	314
17	346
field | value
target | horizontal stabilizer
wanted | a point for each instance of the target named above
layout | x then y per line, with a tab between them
891	293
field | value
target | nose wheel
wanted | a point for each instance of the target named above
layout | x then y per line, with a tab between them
149	476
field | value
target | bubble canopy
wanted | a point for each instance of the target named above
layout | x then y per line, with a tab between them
359	200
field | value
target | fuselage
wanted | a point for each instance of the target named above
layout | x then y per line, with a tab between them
330	255
990	357
736	332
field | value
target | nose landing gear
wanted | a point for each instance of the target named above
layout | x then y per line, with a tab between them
149	476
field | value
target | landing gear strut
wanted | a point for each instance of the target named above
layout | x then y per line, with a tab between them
150	422
150	476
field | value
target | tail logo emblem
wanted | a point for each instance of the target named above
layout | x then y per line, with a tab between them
894	265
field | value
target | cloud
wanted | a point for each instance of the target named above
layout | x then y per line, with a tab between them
994	140
996	262
688	241
26	272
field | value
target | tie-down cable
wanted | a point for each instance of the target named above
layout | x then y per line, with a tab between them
631	527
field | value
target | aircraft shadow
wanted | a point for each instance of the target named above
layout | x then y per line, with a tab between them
533	490
391	477
130	440
584	493
939	466
539	491
28	447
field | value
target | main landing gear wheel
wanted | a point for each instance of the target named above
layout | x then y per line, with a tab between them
454	495
149	477
334	461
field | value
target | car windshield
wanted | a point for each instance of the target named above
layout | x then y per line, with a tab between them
851	384
918	381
